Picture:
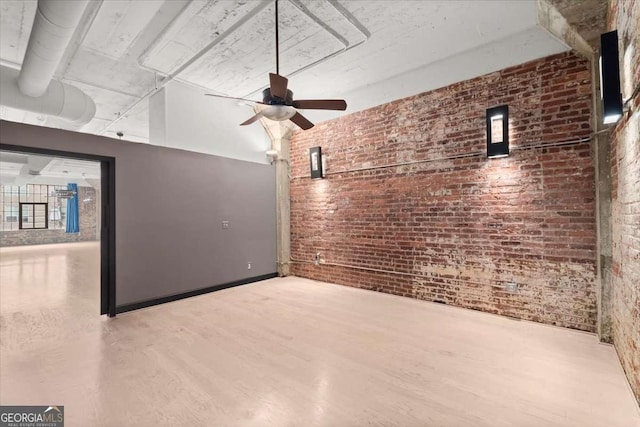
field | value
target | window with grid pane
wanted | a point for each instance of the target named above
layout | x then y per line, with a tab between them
33	215
12	195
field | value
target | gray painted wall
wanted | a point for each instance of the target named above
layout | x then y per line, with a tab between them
170	205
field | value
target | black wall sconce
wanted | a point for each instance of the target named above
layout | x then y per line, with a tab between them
610	77
315	160
498	131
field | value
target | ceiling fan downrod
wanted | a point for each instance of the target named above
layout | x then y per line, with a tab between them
277	43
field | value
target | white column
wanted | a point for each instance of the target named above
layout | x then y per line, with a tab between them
280	135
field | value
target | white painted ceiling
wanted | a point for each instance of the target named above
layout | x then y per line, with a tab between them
368	52
21	169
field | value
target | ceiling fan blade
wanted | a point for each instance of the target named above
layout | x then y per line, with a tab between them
236	99
278	85
252	119
301	121
321	104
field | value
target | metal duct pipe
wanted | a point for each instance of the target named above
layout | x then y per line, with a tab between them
60	99
53	27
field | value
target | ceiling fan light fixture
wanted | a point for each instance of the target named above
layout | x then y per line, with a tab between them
278	113
278	101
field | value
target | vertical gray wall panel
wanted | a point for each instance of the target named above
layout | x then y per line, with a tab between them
170	205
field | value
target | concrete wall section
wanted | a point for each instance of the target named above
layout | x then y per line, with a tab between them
412	206
624	15
170	205
181	116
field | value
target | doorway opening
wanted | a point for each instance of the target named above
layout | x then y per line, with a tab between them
66	199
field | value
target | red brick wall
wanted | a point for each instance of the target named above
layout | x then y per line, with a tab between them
625	203
455	226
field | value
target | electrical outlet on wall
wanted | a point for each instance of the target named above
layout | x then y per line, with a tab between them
249	265
511	287
225	225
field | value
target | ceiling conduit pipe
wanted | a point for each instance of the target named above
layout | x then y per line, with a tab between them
33	89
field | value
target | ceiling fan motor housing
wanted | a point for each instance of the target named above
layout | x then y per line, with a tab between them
274	100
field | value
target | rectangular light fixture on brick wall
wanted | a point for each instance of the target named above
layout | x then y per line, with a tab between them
610	77
315	161
498	131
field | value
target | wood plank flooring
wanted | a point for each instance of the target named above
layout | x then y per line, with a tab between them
289	352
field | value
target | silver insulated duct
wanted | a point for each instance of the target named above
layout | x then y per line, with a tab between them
32	89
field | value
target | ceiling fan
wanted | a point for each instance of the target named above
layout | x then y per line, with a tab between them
279	101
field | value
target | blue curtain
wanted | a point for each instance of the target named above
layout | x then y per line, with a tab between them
73	213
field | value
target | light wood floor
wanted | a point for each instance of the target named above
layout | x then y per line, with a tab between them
289	352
